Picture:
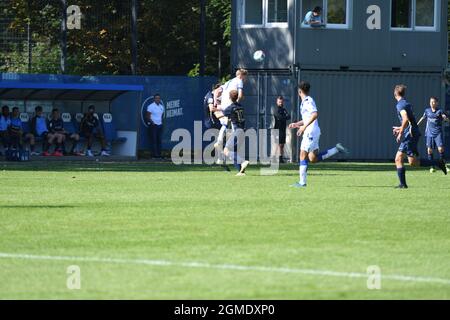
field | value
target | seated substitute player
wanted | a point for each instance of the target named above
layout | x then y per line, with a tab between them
5	121
408	135
235	112
16	132
434	135
309	128
58	135
39	128
90	128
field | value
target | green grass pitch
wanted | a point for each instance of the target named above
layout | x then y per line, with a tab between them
158	231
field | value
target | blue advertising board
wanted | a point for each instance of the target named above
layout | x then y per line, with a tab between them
182	98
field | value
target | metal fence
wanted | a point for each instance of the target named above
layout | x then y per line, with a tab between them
38	36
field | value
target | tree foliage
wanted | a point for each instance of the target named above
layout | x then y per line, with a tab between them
168	37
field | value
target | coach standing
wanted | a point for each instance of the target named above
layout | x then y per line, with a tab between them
155	113
280	117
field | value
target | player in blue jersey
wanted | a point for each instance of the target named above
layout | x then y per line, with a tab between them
309	128
408	135
16	132
5	121
56	128
235	112
39	128
434	117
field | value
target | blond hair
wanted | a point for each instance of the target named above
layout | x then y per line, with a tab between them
242	72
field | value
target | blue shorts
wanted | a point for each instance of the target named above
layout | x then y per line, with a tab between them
435	142
409	145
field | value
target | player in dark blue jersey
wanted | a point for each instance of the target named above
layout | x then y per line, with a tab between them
16	133
90	128
15	129
5	122
434	117
235	113
209	108
408	136
211	121
58	136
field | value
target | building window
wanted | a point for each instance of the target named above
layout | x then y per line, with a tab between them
401	13
264	13
425	10
420	15
335	13
253	12
277	11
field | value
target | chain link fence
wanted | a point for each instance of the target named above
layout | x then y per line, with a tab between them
97	38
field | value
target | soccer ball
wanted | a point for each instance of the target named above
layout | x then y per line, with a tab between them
259	56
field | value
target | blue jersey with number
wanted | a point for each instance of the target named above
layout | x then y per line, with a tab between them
434	122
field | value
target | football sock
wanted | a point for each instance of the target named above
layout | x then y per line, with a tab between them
430	158
401	172
328	154
222	132
303	171
441	156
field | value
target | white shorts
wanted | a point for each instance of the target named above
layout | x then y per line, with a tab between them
224	121
235	139
310	143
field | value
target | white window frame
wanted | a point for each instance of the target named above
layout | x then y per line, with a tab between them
348	17
265	17
435	28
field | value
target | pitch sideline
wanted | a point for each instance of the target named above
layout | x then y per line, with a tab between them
202	265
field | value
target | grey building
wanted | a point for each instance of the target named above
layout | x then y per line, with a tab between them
352	61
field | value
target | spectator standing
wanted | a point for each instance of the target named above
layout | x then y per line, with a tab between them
155	114
281	116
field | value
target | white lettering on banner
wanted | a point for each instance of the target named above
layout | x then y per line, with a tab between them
79	117
66	117
24	117
107	118
174	109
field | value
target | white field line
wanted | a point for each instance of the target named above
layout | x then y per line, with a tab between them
201	265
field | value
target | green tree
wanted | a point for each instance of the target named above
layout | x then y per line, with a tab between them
169	35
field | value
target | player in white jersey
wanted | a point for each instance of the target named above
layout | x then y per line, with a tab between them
310	130
237	84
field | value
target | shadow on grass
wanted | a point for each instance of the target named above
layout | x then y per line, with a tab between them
146	166
36	207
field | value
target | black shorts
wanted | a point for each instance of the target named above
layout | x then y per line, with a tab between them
91	133
281	136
